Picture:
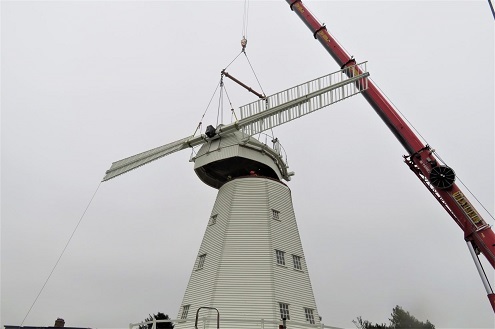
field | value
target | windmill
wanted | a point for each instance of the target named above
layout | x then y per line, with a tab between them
250	266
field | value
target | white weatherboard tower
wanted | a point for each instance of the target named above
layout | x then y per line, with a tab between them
251	263
250	269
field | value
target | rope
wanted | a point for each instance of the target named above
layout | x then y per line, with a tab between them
220	102
61	254
245	22
220	84
207	107
252	69
245	18
233	60
491	8
231	106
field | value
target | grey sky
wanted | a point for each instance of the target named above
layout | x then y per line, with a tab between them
88	83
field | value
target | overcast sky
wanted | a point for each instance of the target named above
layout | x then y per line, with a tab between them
88	83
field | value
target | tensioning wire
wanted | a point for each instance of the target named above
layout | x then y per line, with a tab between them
61	254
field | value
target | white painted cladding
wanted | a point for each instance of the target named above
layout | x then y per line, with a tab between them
239	145
240	275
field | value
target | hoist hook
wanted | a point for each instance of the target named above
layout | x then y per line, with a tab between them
243	43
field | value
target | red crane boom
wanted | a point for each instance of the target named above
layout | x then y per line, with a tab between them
439	179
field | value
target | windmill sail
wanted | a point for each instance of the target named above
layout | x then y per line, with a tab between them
132	162
265	114
303	99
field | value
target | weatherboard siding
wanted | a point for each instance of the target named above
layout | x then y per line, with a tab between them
234	145
240	276
292	286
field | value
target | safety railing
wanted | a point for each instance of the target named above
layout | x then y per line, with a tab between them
229	323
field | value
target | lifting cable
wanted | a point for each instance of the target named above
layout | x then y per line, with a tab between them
490	3
231	106
244	33
61	254
252	69
233	60
221	84
220	102
204	113
245	18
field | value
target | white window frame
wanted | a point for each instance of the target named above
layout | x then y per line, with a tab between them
297	261
275	214
201	261
310	315
284	311
280	255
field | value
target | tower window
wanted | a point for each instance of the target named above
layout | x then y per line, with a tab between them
284	311
185	310
275	214
280	257
201	261
309	315
297	262
213	220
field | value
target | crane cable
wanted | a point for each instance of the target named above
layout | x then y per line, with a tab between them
244	32
436	153
206	110
490	3
220	102
245	20
221	84
245	23
252	69
467	188
231	106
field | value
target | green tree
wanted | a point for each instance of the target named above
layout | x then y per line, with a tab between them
159	325
400	319
365	324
